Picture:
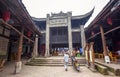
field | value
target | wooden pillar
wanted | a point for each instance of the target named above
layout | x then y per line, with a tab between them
92	49
20	46
105	52
18	63
103	41
87	55
91	54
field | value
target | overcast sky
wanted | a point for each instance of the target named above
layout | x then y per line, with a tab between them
39	8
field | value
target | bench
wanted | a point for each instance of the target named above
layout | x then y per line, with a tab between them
102	69
113	58
100	55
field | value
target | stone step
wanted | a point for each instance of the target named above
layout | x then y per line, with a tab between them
47	60
111	73
56	60
102	69
112	70
46	64
51	62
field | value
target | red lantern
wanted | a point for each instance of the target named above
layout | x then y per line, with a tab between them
6	16
29	33
109	21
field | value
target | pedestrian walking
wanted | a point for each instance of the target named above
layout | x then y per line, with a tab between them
66	60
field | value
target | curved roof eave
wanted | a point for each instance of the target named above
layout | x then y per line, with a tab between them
35	28
73	17
108	6
83	16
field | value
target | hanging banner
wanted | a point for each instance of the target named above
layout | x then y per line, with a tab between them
91	60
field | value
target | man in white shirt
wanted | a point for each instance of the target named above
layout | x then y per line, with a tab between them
66	60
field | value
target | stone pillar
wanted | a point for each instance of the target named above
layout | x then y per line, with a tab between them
18	63
47	37
35	49
83	40
105	52
69	32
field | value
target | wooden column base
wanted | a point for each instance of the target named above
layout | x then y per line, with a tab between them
92	67
87	64
18	67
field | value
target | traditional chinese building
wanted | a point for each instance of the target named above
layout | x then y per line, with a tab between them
61	30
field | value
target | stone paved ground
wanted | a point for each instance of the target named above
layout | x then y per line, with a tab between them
45	71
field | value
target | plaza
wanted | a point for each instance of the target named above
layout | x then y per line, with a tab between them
49	71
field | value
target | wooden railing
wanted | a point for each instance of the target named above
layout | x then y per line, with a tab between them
113	58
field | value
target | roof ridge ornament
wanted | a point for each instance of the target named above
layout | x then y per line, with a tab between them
61	13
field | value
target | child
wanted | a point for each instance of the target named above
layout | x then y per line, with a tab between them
77	66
